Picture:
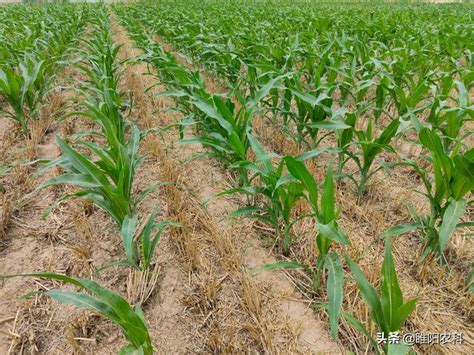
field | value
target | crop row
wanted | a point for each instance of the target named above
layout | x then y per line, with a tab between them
101	166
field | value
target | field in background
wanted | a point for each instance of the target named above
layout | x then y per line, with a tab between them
215	176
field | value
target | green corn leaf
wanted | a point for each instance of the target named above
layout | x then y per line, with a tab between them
335	289
391	295
402	313
431	141
397	349
134	142
379	100
82	300
333	232
106	161
264	91
404	228
245	211
451	217
260	154
82	163
388	133
129	226
328	204
237	145
131	350
298	170
80	180
285	179
149	245
462	92
313	153
463	177
310	99
115	211
139	311
329	125
418	94
133	326
103	301
369	294
212	112
224	110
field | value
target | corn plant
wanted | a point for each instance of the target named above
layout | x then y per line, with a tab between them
448	119
224	130
314	110
103	101
108	185
224	126
275	192
387	308
140	246
232	44
104	302
278	194
345	139
328	232
325	211
340	65
221	125
370	146
453	180
24	89
406	100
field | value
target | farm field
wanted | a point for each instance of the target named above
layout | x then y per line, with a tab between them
236	177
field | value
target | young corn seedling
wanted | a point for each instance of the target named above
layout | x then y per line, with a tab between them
276	193
104	302
24	89
453	180
140	245
220	125
407	100
324	212
344	140
328	232
224	127
370	146
314	110
387	308
449	120
108	185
